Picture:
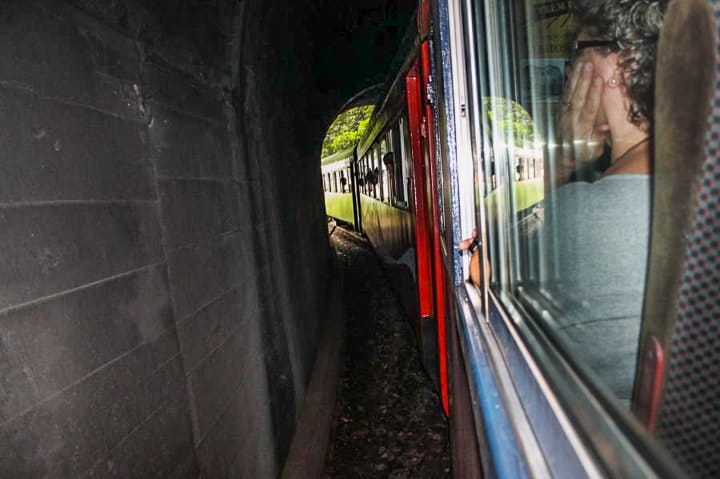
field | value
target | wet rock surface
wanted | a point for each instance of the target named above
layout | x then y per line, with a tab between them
388	420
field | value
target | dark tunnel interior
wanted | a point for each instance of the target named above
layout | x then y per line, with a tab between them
165	265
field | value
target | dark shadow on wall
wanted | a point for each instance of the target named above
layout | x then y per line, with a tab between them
165	262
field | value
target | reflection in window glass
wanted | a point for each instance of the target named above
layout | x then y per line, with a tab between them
567	195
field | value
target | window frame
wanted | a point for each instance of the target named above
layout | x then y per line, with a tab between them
536	363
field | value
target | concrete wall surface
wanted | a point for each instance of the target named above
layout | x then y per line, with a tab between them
163	252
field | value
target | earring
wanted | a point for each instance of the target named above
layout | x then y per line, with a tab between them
612	82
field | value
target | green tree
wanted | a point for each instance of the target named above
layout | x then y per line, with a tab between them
346	130
514	122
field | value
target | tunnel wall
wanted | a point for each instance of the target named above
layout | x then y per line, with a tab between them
164	256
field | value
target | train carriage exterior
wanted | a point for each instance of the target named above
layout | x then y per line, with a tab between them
337	178
459	147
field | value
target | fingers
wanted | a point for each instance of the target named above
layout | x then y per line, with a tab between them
582	105
465	244
582	86
591	106
578	120
572	84
575	98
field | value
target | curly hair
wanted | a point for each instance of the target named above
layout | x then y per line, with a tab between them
635	26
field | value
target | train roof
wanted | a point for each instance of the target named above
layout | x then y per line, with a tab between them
346	154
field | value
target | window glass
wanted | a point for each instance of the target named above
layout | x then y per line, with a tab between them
396	149
382	167
375	172
567	228
405	158
366	172
383	176
361	174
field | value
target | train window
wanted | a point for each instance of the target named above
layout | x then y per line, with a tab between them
364	173
405	159
369	177
359	175
397	149
391	168
376	172
384	176
369	173
377	191
567	218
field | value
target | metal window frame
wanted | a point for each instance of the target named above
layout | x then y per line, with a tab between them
521	382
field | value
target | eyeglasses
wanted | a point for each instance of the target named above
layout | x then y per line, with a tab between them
611	46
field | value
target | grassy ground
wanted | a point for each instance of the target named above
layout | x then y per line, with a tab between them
525	194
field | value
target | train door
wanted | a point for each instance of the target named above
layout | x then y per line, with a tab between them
434	195
431	284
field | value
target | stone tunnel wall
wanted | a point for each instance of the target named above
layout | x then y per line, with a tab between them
164	261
